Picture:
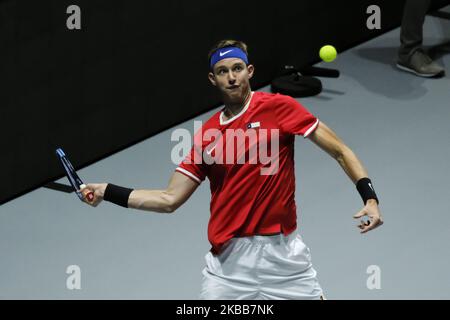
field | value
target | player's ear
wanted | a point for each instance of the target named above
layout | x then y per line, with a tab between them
212	79
251	70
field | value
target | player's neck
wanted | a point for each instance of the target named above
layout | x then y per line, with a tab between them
233	109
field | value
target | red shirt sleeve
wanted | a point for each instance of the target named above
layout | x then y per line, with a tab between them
193	165
293	117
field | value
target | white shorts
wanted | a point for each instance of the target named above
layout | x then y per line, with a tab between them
261	267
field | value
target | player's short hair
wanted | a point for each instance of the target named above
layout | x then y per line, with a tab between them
227	43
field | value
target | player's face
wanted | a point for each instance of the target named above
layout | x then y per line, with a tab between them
232	77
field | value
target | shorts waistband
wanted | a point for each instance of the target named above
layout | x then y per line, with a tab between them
278	237
260	235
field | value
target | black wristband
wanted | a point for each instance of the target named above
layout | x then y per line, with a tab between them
116	194
366	190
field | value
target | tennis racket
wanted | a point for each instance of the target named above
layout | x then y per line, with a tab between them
72	176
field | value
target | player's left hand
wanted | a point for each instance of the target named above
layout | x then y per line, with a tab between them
373	213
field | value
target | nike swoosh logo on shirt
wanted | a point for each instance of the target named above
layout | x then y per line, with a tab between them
224	53
211	150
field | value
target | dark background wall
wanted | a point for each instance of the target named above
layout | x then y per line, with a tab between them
139	67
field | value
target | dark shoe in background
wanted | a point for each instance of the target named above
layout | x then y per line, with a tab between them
421	65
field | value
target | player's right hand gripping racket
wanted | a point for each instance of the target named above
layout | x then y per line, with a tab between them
72	175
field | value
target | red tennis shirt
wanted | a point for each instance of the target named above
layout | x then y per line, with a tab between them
249	161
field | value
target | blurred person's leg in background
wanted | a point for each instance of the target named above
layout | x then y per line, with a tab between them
411	56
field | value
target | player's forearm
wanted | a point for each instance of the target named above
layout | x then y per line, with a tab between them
151	200
351	164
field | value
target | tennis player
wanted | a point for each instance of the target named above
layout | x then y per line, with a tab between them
256	250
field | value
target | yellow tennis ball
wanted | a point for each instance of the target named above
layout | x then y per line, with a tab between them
327	53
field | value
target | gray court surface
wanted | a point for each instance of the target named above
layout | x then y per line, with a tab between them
396	123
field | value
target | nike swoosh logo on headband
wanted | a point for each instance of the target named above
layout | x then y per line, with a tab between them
224	53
